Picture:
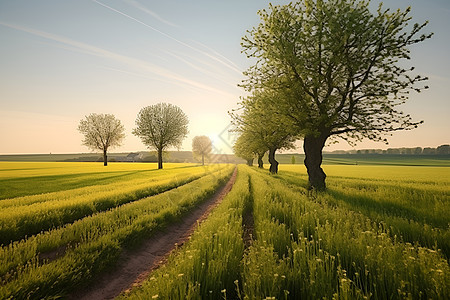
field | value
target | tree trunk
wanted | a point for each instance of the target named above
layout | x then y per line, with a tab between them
273	163
250	162
105	158
260	161
160	165
203	159
313	160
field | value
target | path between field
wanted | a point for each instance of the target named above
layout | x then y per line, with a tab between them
135	265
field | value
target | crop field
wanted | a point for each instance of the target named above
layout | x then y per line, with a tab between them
378	232
55	241
317	246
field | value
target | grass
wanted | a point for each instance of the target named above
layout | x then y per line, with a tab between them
378	232
95	242
306	246
370	159
412	202
46	177
28	215
313	249
209	265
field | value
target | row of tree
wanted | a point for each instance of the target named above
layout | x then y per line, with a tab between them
325	70
159	127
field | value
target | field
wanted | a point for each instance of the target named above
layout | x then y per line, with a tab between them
378	232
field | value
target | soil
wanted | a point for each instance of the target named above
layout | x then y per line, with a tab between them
135	265
248	226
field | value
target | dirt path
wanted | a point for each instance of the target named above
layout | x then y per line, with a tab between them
135	265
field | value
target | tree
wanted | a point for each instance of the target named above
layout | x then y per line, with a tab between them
101	132
264	130
161	126
259	155
443	149
340	69
202	146
242	149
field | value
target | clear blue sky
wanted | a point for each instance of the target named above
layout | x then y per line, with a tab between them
62	60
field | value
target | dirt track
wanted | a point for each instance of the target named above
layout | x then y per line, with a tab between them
135	266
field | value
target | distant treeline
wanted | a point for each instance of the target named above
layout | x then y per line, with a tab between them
148	157
441	150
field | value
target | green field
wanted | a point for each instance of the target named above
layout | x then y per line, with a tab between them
378	231
283	158
372	159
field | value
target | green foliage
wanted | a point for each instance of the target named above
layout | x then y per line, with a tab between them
262	129
336	65
243	147
333	69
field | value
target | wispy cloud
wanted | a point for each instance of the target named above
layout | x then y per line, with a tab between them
195	66
219	55
150	12
219	59
134	63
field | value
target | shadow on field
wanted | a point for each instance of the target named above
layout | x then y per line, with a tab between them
14	187
365	204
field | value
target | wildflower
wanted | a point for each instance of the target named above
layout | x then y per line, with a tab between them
155	296
180	275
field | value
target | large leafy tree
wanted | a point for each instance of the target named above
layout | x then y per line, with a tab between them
161	126
264	130
340	68
101	132
201	146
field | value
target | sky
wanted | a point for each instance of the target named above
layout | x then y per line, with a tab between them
63	60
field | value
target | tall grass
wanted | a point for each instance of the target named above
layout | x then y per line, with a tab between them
209	265
415	209
46	177
98	241
313	250
33	214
